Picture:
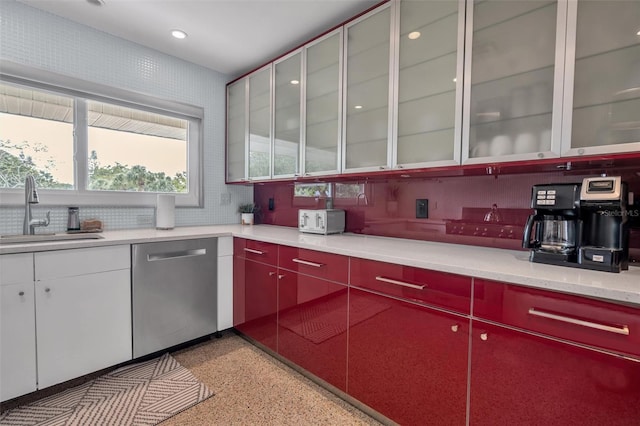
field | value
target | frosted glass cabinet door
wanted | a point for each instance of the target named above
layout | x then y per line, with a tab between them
236	131
430	64
323	101
260	124
514	63
604	116
286	143
367	101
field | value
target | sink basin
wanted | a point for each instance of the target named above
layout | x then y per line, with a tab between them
42	238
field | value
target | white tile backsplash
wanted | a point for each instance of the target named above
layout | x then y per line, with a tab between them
40	39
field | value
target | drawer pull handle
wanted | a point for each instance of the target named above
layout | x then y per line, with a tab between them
402	283
624	330
254	251
281	276
21	293
306	262
176	254
271	274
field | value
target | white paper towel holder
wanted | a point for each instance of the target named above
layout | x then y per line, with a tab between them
165	211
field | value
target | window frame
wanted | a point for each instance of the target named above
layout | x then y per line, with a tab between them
82	91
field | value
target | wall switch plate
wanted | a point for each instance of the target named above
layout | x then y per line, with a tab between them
225	199
271	204
422	208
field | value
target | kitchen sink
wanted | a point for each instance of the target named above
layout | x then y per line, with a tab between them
42	238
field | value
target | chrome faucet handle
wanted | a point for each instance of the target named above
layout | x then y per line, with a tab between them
42	222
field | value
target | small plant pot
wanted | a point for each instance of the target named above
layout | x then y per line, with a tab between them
247	218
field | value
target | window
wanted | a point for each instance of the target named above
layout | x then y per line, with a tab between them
92	149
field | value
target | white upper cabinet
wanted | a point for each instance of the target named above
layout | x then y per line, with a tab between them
513	80
602	86
368	89
237	131
287	115
323	105
260	102
429	75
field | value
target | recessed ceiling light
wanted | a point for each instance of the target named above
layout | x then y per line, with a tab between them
178	34
638	33
414	35
455	79
358	107
96	2
295	82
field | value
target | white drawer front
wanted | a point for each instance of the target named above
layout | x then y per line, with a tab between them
16	268
225	246
70	263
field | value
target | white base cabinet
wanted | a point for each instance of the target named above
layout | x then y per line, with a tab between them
17	325
83	311
83	324
225	283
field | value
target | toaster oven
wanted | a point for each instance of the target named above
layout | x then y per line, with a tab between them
327	221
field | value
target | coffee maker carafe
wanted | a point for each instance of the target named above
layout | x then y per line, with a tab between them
605	224
553	231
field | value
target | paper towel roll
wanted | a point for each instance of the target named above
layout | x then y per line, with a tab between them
165	211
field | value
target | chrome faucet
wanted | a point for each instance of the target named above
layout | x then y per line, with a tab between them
31	197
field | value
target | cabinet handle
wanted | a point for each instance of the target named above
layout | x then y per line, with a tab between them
176	254
454	328
47	290
308	263
484	336
624	330
254	251
402	283
21	293
271	274
281	276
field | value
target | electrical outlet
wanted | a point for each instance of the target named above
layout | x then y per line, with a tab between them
144	220
225	199
422	208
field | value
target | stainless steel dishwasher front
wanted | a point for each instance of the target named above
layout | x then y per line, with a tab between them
174	293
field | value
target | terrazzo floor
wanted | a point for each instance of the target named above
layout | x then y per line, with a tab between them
253	388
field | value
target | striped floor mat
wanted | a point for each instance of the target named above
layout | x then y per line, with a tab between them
139	394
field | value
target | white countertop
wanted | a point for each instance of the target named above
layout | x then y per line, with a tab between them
481	262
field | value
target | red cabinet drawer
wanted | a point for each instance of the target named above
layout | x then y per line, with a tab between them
579	319
256	250
319	264
434	288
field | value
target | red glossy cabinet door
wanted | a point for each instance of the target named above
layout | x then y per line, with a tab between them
312	325
521	379
255	300
406	361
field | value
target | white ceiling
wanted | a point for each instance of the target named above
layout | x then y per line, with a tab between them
229	36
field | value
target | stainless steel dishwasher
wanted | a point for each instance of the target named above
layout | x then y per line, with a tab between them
174	293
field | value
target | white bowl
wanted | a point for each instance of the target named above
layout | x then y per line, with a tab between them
501	145
525	143
480	150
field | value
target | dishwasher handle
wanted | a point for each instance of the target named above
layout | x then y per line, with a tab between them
176	254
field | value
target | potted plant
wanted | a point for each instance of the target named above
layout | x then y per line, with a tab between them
247	212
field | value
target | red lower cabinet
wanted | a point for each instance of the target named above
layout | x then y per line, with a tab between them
312	325
407	362
255	300
521	379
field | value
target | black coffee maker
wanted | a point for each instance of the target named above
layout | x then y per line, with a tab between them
580	225
553	231
605	224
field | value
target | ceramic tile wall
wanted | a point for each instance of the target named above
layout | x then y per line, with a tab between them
42	40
